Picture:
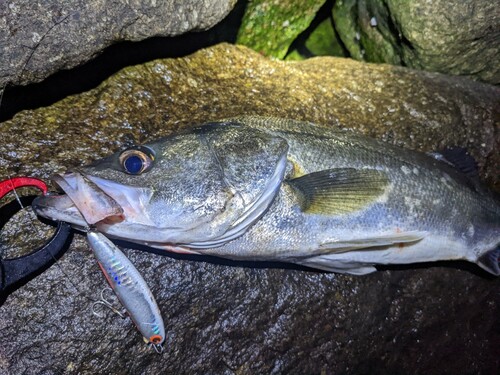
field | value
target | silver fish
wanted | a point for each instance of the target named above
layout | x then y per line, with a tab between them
258	188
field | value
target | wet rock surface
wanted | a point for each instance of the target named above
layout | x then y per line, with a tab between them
224	317
73	31
453	37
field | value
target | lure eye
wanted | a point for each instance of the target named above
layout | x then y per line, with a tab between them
136	160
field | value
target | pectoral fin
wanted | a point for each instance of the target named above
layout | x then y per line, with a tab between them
330	264
326	257
371	243
339	191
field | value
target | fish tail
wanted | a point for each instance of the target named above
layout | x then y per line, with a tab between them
490	261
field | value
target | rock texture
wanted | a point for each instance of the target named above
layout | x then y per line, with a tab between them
320	39
454	37
55	35
233	318
270	27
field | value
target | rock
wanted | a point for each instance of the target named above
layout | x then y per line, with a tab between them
58	35
323	40
224	317
270	27
453	37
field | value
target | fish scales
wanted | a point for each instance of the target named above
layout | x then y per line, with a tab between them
275	189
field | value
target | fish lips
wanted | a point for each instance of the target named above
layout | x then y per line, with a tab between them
84	203
58	208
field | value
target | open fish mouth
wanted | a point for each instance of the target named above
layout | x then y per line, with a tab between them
92	202
84	202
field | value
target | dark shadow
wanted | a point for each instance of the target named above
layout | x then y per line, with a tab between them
111	60
455	264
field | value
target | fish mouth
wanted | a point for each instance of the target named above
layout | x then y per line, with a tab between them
84	202
57	207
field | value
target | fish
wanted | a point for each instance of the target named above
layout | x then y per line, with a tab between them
271	189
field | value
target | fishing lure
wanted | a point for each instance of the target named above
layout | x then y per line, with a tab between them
130	288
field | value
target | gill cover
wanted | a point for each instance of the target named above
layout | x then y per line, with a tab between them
241	172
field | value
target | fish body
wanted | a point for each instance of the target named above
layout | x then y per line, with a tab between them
258	188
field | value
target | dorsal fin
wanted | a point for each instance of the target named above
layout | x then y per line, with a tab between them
460	159
490	261
339	191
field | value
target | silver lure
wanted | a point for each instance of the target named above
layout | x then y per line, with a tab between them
130	287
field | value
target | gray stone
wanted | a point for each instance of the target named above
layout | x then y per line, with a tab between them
228	319
55	35
453	37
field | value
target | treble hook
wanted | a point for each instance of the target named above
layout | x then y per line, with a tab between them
158	348
103	301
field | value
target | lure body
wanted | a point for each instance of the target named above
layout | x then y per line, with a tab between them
130	287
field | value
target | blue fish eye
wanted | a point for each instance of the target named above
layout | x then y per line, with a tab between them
136	161
133	164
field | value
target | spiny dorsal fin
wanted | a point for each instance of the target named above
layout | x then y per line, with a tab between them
490	261
460	159
339	191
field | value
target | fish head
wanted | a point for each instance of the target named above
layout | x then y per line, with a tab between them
199	188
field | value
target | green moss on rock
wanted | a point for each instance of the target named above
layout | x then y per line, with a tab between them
269	27
324	41
459	38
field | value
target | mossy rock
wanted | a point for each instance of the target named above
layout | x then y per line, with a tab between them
269	27
453	37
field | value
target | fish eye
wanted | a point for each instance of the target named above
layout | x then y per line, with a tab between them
136	160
